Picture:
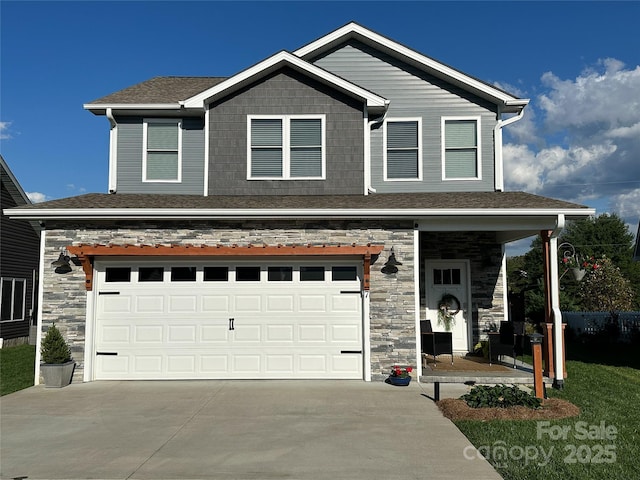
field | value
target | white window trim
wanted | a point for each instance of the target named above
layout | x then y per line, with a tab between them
13	281
478	148
145	150
384	149
286	146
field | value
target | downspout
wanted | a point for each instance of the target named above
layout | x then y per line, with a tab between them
113	150
558	343
367	150
497	135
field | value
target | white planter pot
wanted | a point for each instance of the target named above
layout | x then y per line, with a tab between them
57	375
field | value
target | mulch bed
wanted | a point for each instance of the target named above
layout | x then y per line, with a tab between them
552	408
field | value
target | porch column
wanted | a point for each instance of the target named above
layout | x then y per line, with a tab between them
547	331
552	291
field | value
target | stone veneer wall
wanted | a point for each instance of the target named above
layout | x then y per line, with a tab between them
487	282
392	306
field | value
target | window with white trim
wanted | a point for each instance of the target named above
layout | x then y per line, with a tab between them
162	153
402	149
286	147
461	148
12	299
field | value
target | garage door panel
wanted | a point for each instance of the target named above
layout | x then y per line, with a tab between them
246	364
229	329
214	364
312	303
215	333
247	333
150	303
148	334
115	334
248	303
313	333
115	304
280	303
216	303
113	366
279	333
183	303
146	364
182	333
279	364
345	333
346	302
185	364
312	364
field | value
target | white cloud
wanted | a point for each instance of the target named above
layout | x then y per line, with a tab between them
37	197
582	139
4	130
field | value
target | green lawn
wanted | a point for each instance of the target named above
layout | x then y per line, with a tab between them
16	368
602	443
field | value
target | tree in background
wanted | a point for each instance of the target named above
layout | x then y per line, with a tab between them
603	236
605	289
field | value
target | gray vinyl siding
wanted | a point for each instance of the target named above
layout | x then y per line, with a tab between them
414	93
130	152
286	93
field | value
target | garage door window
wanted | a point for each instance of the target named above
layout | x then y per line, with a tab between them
117	274
150	274
183	274
344	274
280	274
312	274
247	274
216	274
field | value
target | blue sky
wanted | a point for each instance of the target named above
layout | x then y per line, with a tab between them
578	62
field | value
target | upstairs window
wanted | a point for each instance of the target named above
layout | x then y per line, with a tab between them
162	140
461	155
402	149
286	147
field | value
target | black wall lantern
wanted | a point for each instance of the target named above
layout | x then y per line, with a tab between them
62	264
391	265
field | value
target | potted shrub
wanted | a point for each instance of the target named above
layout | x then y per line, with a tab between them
57	365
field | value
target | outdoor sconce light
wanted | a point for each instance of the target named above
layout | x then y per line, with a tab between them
62	264
391	265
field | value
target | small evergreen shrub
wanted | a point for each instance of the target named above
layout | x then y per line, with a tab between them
501	396
54	349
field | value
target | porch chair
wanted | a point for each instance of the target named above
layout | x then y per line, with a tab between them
508	341
435	343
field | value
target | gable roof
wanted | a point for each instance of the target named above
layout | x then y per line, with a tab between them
180	93
12	185
508	102
276	62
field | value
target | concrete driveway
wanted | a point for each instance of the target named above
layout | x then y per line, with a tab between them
232	430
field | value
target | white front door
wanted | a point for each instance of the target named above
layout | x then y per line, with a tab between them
449	279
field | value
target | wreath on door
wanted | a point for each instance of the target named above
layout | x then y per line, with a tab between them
448	307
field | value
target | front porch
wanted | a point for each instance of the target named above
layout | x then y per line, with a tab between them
475	370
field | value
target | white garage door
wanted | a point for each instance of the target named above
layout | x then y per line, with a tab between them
186	320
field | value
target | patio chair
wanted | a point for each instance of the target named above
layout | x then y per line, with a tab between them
508	341
435	343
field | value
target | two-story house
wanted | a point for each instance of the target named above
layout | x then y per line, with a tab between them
295	220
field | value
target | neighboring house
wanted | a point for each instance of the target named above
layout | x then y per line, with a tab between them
295	220
19	260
